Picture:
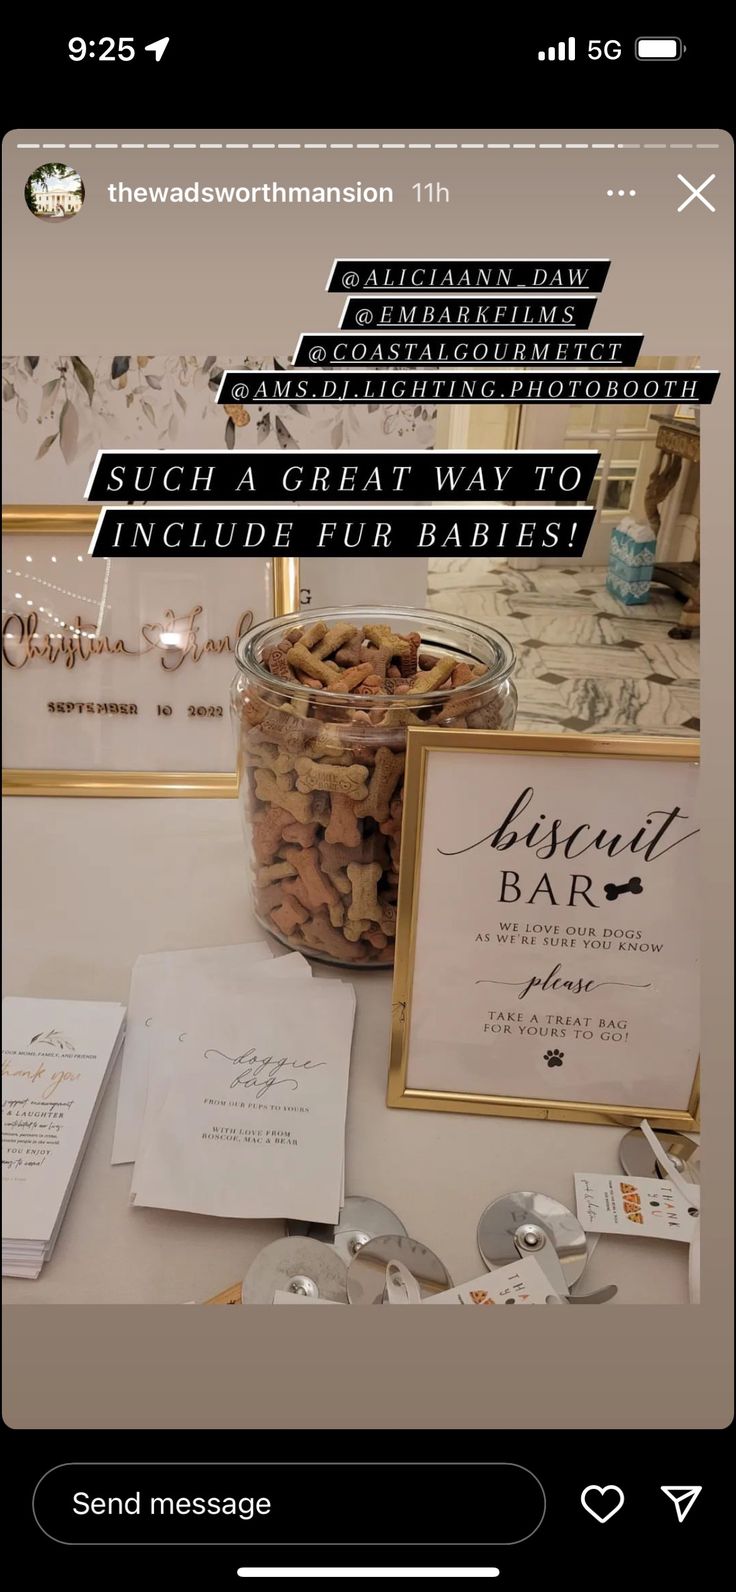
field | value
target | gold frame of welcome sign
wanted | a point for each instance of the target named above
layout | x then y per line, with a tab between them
421	743
63	520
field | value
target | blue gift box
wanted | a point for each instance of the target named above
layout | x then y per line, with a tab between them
631	562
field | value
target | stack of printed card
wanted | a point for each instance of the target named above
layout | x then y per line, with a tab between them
233	1092
57	1058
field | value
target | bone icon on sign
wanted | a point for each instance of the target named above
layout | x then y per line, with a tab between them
634	887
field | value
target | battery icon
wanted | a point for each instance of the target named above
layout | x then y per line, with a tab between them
659	49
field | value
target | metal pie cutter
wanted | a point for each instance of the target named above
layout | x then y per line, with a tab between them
299	1266
359	1220
367	1270
638	1159
524	1224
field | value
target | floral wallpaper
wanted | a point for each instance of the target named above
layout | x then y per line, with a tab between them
59	409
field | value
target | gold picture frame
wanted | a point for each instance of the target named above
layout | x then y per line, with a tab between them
420	744
70	520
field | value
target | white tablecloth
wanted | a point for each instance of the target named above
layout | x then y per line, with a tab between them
89	885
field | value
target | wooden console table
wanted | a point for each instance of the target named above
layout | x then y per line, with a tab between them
676	440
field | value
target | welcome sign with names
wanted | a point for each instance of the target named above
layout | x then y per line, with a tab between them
112	667
547	948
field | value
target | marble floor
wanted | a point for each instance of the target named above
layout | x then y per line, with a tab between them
585	662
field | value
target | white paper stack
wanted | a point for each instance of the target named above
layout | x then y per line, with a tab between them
233	1091
57	1059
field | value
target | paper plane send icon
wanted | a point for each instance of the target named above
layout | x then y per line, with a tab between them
683	1499
158	47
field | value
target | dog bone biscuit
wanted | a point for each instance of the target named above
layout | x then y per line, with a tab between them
320	935
352	678
384	778
313	634
355	931
349	781
343	828
408	660
295	802
339	878
279	665
274	871
337	914
300	834
318	889
350	654
434	678
289	915
364	877
384	636
295	888
302	659
269	898
392	825
337	636
267	832
372	685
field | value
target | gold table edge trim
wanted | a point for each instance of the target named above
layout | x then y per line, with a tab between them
130	782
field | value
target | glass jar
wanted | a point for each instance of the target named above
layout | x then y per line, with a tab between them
321	703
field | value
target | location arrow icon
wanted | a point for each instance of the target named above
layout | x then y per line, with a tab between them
683	1499
158	47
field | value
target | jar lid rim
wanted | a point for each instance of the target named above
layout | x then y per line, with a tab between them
497	672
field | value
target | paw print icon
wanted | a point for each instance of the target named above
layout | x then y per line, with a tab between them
554	1058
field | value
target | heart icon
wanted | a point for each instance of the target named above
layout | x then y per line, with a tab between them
599	1511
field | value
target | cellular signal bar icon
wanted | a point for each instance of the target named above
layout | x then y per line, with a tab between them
564	51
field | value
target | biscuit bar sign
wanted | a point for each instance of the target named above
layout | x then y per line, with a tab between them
547	945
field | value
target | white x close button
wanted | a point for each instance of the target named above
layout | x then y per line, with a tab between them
696	193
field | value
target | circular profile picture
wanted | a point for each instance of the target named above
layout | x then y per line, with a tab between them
54	192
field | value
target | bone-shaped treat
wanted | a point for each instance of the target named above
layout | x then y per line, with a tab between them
373	849
300	834
379	658
434	678
274	871
352	678
371	684
286	726
350	654
337	636
408	660
339	878
318	889
350	781
279	665
384	778
296	802
343	828
634	886
314	634
302	659
289	915
319	934
267	832
364	877
384	636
